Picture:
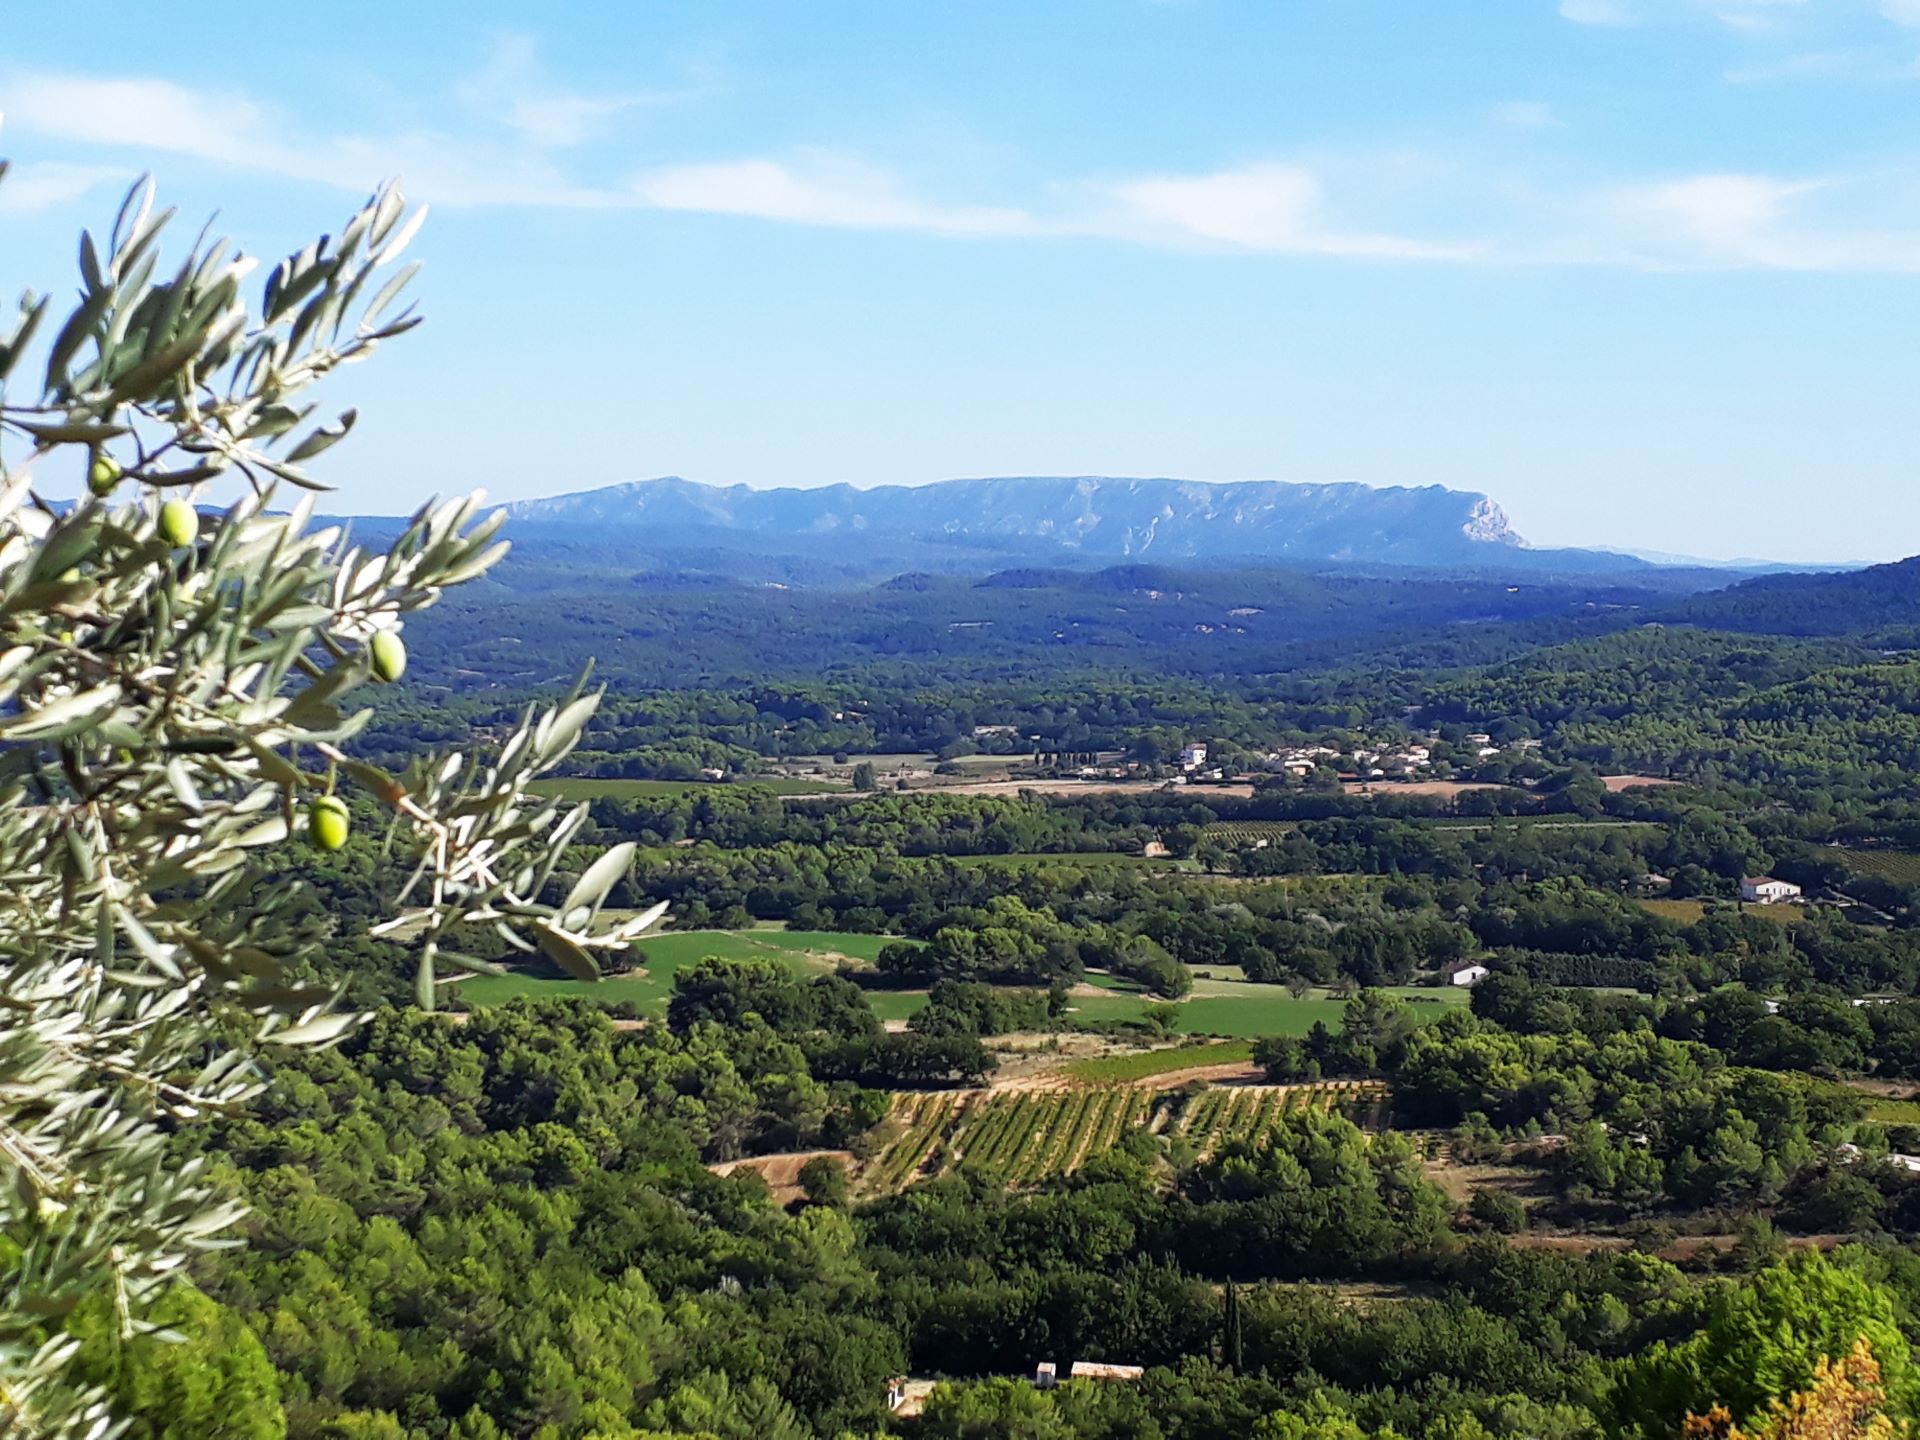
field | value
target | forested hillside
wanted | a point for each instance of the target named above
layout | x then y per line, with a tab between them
547	616
1881	602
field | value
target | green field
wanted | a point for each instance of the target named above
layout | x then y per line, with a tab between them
1894	1112
1243	1010
587	787
1688	911
1900	866
1269	1010
1229	1008
805	951
897	1004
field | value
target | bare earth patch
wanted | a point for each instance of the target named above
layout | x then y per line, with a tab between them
1883	1089
1031	1060
1446	789
782	1172
1238	1073
1617	783
1083	787
1460	1181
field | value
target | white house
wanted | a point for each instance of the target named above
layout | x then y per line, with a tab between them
1469	975
1765	890
1193	757
1045	1375
1851	1153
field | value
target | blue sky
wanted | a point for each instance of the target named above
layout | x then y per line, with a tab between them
1644	270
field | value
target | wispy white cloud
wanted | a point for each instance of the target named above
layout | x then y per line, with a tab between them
30	189
834	191
1596	12
1754	17
1747	221
1724	211
1860	64
150	116
1368	206
514	90
1750	17
1274	208
1901	12
147	116
153	114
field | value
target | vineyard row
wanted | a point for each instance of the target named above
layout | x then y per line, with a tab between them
1031	1136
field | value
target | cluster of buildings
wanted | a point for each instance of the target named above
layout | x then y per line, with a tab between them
1368	762
1382	761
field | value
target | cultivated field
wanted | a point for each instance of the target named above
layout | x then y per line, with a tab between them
1025	1137
1900	866
1688	911
1247	833
951	785
1237	1009
1145	1064
585	787
1229	1009
1445	789
650	987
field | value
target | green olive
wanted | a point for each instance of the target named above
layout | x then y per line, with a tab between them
103	474
327	822
179	523
389	654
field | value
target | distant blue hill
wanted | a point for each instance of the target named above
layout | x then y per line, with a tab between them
962	525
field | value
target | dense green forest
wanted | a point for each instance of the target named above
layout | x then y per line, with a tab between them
930	1083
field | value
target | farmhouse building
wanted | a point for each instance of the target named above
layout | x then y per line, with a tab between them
1098	1370
1765	890
1469	975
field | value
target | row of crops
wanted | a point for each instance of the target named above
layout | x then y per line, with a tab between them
1900	866
1032	1136
1225	1117
1246	833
